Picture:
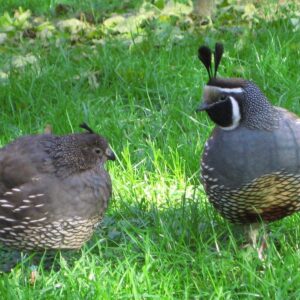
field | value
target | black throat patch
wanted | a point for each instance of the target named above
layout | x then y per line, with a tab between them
221	113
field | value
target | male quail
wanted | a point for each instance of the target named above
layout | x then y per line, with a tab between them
53	190
251	162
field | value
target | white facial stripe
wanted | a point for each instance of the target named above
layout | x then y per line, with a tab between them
234	90
236	115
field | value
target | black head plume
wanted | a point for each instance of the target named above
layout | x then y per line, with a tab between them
219	49
204	54
86	127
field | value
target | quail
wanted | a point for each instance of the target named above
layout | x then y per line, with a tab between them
251	161
53	190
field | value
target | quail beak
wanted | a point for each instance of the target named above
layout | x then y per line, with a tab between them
203	106
109	154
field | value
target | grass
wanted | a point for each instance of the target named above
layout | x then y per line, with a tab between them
160	238
47	7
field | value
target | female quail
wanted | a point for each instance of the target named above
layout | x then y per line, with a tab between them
251	162
53	190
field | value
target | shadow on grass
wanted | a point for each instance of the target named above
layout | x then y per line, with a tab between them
133	231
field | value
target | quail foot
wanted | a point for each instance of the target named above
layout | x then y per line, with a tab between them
251	161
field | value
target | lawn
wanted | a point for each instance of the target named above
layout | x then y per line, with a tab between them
160	238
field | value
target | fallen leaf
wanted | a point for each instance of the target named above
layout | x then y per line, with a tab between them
19	62
72	26
21	15
6	23
249	11
3	78
45	30
93	81
45	34
177	9
21	18
113	21
130	23
3	38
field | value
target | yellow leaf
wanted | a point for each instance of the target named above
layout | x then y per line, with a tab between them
177	9
3	78
249	11
20	62
72	25
3	38
113	21
21	15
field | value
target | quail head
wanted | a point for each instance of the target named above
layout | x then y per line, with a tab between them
53	190
251	162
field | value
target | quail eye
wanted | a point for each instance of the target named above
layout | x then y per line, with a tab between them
98	151
223	97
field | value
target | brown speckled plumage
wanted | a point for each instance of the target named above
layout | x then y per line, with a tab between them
53	190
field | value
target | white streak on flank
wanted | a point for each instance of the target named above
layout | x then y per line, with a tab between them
236	115
233	90
26	201
16	190
7	205
3	201
40	205
8	193
206	145
32	196
40	195
39	220
23	206
7	219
